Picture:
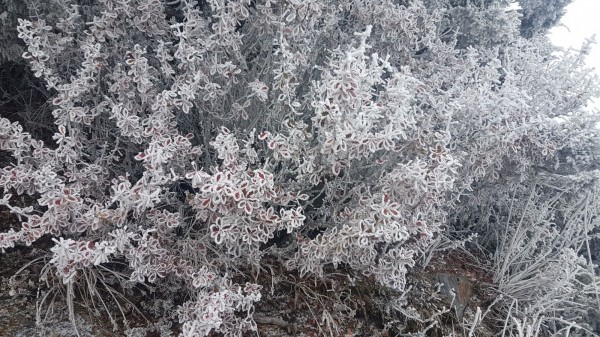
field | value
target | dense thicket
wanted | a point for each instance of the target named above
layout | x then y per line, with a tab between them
199	143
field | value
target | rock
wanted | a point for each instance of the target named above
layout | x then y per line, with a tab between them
457	289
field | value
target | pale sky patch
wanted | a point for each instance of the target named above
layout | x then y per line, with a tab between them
580	22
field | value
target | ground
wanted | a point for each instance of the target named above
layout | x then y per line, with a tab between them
443	298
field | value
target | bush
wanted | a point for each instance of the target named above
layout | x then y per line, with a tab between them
194	140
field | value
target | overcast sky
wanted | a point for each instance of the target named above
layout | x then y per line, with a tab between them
581	21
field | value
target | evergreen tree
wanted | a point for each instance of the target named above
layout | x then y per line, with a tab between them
541	15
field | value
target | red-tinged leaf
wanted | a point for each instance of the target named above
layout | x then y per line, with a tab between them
386	198
263	135
270	212
237	195
248	208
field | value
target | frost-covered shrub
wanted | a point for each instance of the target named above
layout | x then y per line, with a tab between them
540	232
350	129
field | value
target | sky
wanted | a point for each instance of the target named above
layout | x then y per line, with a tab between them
580	22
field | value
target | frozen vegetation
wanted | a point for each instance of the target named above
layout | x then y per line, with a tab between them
296	167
